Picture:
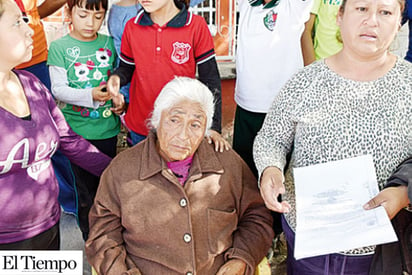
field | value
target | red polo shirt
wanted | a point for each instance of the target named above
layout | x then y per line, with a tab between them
159	53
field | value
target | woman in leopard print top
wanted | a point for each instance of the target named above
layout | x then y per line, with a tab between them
354	103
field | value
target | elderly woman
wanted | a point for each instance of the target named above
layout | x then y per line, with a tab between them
172	204
354	103
33	128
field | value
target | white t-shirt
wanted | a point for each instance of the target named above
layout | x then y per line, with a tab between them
268	50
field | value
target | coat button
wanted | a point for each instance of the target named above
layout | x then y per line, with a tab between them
183	202
158	49
189	273
187	238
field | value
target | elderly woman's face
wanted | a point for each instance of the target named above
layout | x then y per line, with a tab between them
181	130
368	27
16	44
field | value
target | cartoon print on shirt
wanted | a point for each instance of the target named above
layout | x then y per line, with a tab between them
180	52
103	57
22	148
73	52
87	70
82	70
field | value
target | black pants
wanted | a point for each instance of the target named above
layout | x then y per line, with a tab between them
246	126
87	183
47	240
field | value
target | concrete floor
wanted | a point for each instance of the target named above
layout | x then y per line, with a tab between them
71	238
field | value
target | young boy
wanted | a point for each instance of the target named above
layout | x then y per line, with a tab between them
268	54
163	41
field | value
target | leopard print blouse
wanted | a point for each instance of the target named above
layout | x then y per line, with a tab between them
326	117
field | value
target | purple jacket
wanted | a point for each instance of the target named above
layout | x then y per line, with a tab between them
28	187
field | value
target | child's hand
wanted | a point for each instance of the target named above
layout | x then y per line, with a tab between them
220	143
100	93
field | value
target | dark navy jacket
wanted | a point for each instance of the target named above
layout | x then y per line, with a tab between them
407	17
403	174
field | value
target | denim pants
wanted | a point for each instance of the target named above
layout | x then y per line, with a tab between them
61	165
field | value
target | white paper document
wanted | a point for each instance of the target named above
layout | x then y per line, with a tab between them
329	208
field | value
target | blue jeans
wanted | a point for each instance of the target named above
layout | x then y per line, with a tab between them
61	165
65	178
331	264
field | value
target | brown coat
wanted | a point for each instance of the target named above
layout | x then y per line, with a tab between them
144	222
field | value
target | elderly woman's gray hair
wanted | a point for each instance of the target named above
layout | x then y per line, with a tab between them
181	88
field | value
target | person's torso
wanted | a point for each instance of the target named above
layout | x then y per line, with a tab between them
88	65
326	41
200	217
29	190
268	50
160	54
337	118
117	19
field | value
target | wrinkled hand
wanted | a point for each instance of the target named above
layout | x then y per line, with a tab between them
99	95
118	104
113	85
393	199
220	143
232	267
271	186
113	88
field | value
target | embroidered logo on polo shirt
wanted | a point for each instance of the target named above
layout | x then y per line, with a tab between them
270	20
180	52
